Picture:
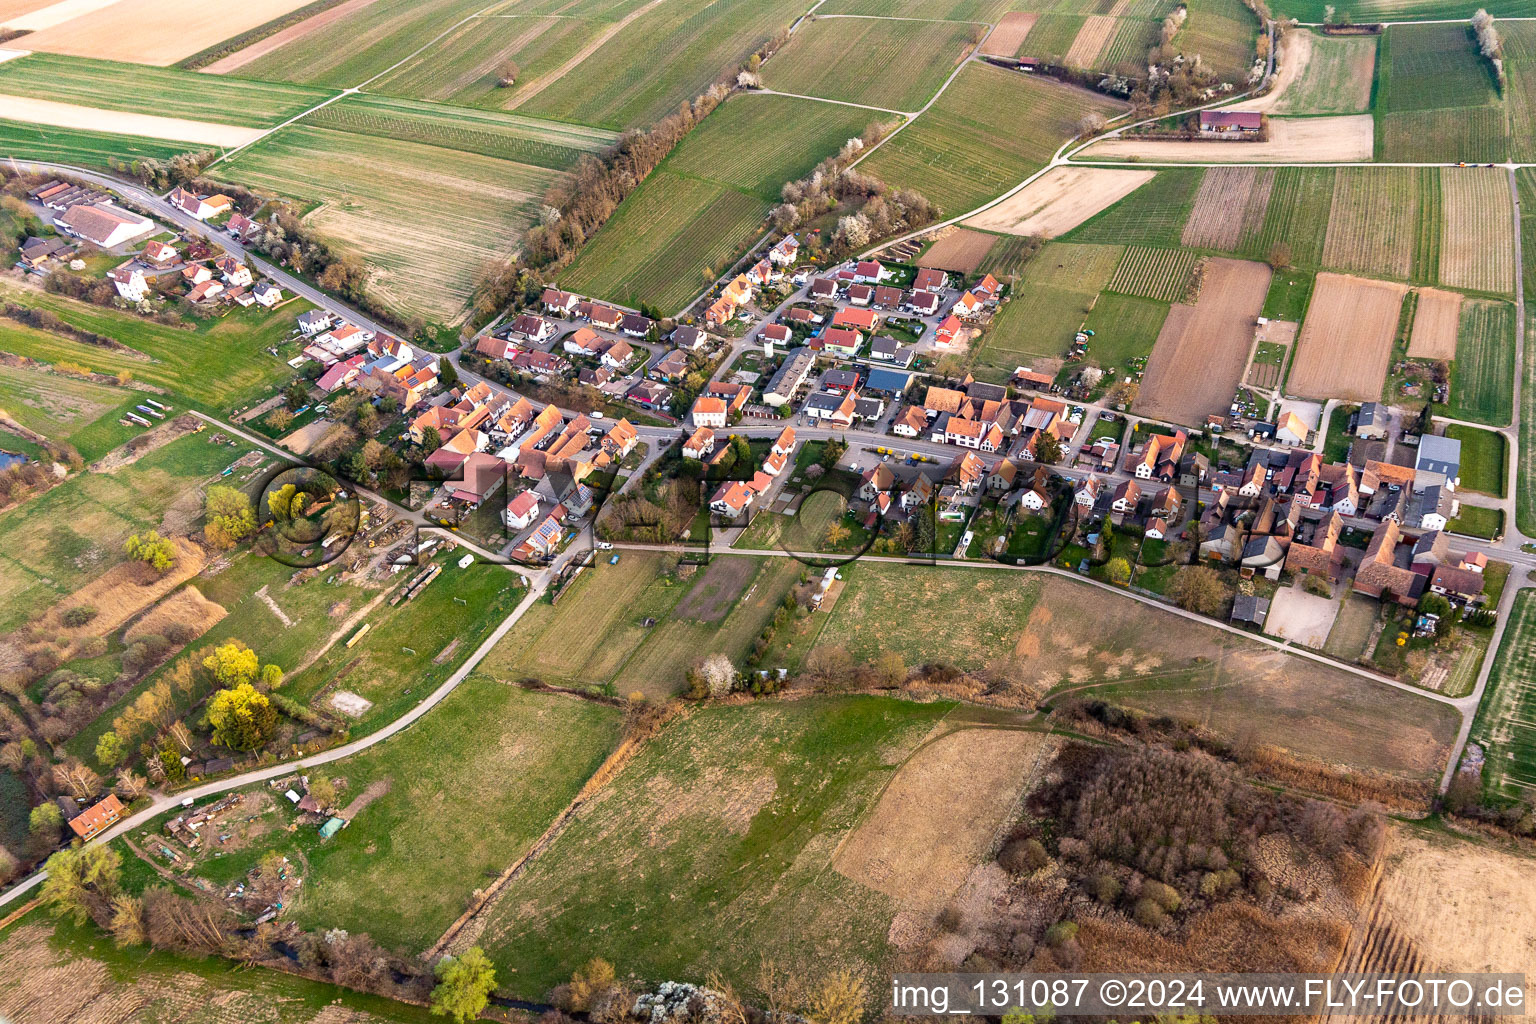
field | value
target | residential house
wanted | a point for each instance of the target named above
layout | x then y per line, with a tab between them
617	354
1381	573
584	341
521	511
968	473
689	339
930	279
889	350
785	252
720	312
130	282
887	297
671	367
1127	497
235	273
267	294
1438	463
199	206
699	445
1166	504
924	303
840	380
314	321
987	288
1158	457
1156	528
870	272
919	492
620	439
532	329
948	331
559	303
739	292
97	818
791	374
763	273
495	348
912	422
1085	493
205	291
339	374
824	289
36	252
837	410
540	364
635	325
843	341
858	319
735	395
966	307
1458	584
160	254
1431	551
731	499
479	474
876	480
784	444
860	295
775	334
939	399
708	411
1432	509
196	273
1194	469
103	224
1372	422
1291	429
604	317
1320	554
978	434
594	378
1002	475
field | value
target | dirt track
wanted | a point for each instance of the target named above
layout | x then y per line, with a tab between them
1059	200
1435	320
1346	341
1291	140
1201	351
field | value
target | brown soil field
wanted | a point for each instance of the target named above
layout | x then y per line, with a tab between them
240	58
715	591
187	605
136	30
1478	251
1291	140
67	115
959	250
939	817
1090	41
1009	34
12	11
34	17
1228	207
1447	904
1435	320
1346	341
1060	199
1202	350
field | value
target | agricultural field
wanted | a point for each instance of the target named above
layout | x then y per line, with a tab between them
1436	97
696	213
987	132
360	46
1202	349
410	860
1483	375
1010	33
1525	487
524	140
1504	726
1223	33
1478	250
1334	74
1046	307
222	364
82	148
958	250
1154	273
1373	226
1053	36
1091	41
950	10
1472	134
64	409
1124	327
1292	140
1436	321
1312	11
1297	215
166	92
770	787
1484	458
1347	339
1520	105
1229	207
1059	200
370	193
1007	257
634	77
125	30
1154	214
893	64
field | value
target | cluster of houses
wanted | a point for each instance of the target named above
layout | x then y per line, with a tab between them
734	497
208	277
983	417
739	291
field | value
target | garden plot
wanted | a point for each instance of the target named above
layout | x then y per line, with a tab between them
1346	341
1059	200
1436	318
1202	349
1297	140
1229	207
1478	251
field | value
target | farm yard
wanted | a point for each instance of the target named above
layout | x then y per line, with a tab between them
958	249
1483	375
1060	200
1228	208
1202	349
987	132
1478	248
1346	341
125	30
1154	273
370	192
893	64
1504	727
693	216
1334	77
1436	322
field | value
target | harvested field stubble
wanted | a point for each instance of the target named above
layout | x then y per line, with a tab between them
136	30
1436	318
1202	349
1009	34
1346	341
1060	199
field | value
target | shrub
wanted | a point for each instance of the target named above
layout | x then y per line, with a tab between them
1061	933
79	615
1148	914
1165	896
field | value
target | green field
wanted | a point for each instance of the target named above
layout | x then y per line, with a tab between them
1046	307
523	140
1223	33
427	219
955	10
86	149
1484	458
1124	327
1336	80
66	409
1297	214
1471	134
1506	720
1052	36
987	132
167	92
1483	375
721	830
1436	97
696	213
892	64
220	364
59	540
1476	521
361	46
1153	215
1289	293
1363	11
1154	273
405	867
668	55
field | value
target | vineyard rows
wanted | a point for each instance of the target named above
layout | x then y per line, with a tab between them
1154	273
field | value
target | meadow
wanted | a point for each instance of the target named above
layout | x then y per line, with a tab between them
168	92
1504	726
1223	33
721	829
65	409
220	364
391	201
82	148
893	64
1124	327
523	140
1435	97
635	77
1483	375
1484	458
1336	79
1059	287
696	213
986	133
1153	215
